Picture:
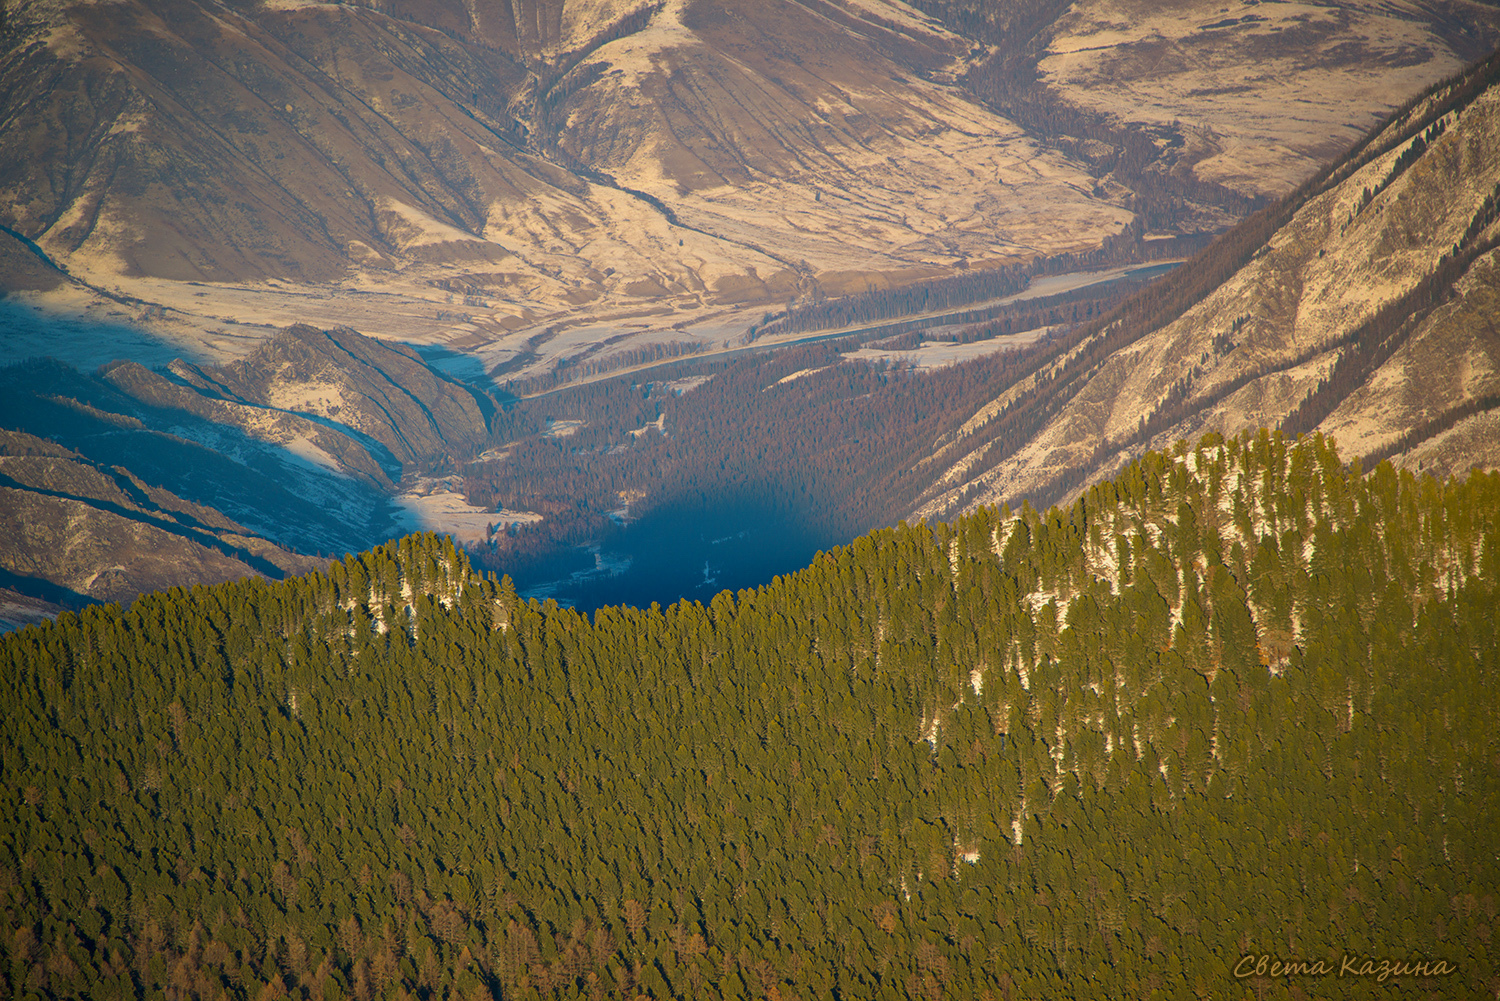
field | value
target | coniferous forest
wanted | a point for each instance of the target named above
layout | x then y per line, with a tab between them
1236	705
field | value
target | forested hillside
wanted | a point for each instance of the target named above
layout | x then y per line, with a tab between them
1238	702
830	448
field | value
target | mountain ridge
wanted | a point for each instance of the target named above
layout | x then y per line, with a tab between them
312	441
77	531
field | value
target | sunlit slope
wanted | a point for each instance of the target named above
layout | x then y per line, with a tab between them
491	175
317	144
1261	93
1239	698
1363	306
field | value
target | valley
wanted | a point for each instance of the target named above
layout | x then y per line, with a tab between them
1337	309
515	500
654	176
331	441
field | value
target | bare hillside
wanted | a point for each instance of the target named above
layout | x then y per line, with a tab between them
76	531
528	182
1364	307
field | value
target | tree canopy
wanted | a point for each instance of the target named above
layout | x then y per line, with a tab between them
1237	702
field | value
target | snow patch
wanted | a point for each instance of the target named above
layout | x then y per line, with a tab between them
562	429
1038	600
686	385
930	731
605	566
798	375
304	449
930	355
659	425
434	506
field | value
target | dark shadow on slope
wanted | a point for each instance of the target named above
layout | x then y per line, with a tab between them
44	590
465	369
688	551
28	331
377	449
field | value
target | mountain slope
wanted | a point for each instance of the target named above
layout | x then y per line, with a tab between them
252	473
524	181
77	531
375	390
1212	71
323	142
307	440
1363	306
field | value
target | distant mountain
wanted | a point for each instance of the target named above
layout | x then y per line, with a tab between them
1362	305
1366	305
545	195
526	181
